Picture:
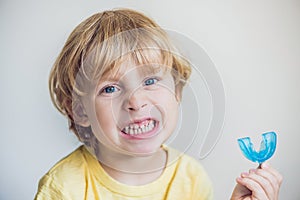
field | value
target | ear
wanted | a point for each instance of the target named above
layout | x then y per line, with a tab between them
178	92
79	114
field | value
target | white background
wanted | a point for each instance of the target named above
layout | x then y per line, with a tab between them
254	44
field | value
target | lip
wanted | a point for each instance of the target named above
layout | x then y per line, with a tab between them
142	136
140	121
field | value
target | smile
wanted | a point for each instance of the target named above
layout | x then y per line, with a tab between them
139	128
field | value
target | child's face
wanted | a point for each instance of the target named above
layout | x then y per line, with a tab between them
133	111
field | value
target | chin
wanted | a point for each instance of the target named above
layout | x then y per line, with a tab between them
143	150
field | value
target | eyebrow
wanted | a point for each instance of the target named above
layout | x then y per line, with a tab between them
110	75
115	75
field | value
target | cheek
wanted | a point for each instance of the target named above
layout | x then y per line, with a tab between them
170	119
168	105
167	98
172	112
104	117
108	113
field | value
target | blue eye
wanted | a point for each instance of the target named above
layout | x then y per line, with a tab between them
110	89
150	81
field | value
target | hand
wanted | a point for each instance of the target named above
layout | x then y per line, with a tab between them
259	184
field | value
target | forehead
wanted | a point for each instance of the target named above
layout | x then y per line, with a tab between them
136	46
133	62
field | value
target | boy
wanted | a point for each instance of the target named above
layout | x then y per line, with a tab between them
119	80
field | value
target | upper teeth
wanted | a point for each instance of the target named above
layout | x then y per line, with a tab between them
134	129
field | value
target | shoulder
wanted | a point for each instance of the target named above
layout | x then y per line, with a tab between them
72	162
67	174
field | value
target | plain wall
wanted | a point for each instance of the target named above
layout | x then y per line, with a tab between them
255	46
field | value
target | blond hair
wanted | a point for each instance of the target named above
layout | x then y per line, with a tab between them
97	45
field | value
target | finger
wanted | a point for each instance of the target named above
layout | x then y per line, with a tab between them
240	191
274	182
257	191
263	182
267	166
274	177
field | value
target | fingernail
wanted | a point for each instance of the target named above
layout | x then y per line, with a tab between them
244	174
252	170
264	165
239	179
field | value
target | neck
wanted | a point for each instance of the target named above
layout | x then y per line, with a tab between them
132	169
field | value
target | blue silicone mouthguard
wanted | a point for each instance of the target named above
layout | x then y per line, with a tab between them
267	147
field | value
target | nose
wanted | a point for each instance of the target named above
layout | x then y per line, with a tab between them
135	101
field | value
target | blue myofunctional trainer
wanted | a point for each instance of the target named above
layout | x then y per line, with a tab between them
267	147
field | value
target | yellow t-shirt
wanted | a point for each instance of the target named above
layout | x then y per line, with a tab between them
79	176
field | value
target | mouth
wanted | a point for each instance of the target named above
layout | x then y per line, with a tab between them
141	129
